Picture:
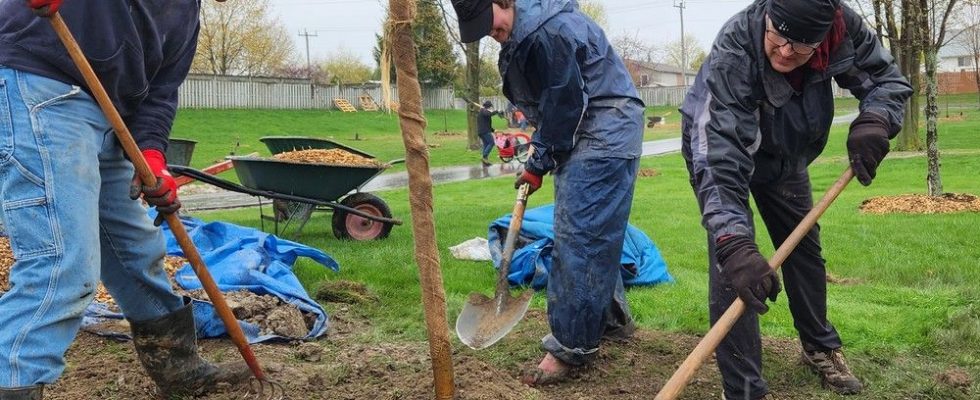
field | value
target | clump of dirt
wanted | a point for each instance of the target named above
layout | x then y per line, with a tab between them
648	173
272	315
331	156
922	204
956	378
309	351
342	291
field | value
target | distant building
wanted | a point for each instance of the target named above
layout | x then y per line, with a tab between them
955	55
651	74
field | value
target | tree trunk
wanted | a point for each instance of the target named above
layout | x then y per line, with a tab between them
472	93
933	179
911	62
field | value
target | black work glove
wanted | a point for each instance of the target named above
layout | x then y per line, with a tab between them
867	145
747	272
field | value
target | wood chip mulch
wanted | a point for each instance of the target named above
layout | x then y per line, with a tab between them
170	264
331	156
922	204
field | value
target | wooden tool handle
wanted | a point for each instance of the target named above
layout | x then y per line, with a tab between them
176	226
710	341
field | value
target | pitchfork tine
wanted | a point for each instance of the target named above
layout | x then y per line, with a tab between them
264	390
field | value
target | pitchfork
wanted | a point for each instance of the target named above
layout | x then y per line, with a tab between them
261	387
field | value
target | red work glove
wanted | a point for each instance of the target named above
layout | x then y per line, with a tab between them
44	8
163	193
533	181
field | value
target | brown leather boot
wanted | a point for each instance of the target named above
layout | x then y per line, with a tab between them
833	371
22	393
167	348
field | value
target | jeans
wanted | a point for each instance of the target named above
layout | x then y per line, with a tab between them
64	183
586	298
488	143
783	198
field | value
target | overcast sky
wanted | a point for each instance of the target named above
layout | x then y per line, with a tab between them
352	24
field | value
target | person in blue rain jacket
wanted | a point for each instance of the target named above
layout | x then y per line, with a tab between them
559	69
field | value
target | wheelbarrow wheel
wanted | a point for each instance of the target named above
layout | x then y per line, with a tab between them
521	148
355	227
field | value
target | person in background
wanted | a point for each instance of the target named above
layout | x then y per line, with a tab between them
559	69
70	200
758	114
484	128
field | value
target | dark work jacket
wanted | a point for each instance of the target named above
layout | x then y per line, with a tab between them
560	70
483	122
742	120
140	49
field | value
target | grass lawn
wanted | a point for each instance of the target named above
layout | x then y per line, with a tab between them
910	309
221	132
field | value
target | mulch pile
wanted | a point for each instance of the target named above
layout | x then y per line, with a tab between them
331	156
922	204
6	260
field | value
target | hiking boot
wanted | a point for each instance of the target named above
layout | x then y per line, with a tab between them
767	396
486	162
167	348
22	393
833	371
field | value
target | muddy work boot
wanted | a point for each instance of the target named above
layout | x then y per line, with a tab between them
167	348
22	393
833	371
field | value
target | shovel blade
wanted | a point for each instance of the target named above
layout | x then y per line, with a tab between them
486	320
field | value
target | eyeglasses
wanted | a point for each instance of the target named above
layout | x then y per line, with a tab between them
802	49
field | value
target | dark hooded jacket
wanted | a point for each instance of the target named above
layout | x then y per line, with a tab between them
742	120
560	70
140	49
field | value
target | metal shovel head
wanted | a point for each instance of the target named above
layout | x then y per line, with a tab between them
486	320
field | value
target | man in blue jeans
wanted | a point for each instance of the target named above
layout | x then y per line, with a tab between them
69	193
484	127
559	69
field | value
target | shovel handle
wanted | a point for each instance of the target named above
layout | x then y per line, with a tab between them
720	329
176	226
513	231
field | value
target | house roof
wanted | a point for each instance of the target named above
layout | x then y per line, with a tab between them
660	67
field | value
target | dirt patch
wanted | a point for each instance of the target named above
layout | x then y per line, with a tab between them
648	173
272	315
341	291
838	280
956	378
922	204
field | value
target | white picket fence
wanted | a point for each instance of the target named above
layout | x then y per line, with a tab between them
214	91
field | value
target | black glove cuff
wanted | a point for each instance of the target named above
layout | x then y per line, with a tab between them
734	245
869	120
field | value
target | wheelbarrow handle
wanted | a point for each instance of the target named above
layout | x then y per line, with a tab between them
143	170
720	329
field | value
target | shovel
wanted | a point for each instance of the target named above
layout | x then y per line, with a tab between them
483	320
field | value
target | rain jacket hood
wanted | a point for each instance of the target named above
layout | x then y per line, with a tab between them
560	70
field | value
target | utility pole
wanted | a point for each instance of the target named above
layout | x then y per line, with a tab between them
680	6
309	69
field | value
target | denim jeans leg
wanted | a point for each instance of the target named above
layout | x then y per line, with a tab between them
592	206
50	134
132	248
488	144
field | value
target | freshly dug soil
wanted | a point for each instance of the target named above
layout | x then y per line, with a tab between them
922	204
273	316
341	291
331	156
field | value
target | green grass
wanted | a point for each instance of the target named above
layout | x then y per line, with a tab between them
913	311
222	132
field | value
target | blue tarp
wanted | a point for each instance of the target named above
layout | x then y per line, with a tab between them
642	263
238	258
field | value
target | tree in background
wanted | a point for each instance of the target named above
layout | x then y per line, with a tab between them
437	61
595	10
898	23
970	37
936	15
241	38
631	48
675	52
343	67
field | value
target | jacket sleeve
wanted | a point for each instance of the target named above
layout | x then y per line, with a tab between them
554	66
154	118
874	78
723	136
